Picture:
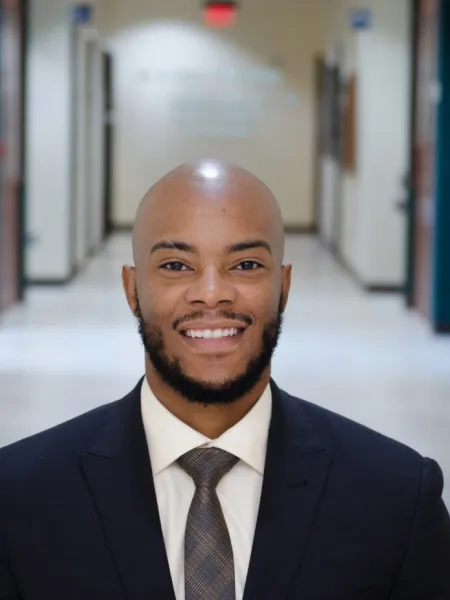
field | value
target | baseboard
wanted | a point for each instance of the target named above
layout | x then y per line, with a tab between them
121	229
48	282
384	289
442	328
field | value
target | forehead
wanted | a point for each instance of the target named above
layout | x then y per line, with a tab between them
214	217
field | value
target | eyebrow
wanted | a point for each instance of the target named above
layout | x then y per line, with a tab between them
248	245
173	245
232	249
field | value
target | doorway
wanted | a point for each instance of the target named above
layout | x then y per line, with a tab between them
108	138
328	169
426	98
12	25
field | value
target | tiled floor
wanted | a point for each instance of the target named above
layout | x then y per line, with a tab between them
69	349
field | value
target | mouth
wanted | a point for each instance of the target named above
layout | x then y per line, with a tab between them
217	340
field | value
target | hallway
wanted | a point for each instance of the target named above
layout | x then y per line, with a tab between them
72	348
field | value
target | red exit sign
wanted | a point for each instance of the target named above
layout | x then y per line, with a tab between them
220	14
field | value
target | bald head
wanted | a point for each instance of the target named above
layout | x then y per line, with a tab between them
217	194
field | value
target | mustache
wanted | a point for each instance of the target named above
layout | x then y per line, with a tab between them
198	315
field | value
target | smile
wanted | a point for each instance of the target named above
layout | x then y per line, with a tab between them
211	333
213	341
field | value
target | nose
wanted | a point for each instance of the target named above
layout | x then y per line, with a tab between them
211	288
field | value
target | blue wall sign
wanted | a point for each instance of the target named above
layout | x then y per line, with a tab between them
82	14
360	19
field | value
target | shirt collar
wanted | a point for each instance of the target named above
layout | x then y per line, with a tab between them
168	438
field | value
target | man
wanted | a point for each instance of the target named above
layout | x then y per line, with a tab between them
207	481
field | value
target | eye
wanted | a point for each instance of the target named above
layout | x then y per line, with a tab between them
174	265
248	265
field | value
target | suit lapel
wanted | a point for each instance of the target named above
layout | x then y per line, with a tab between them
118	473
296	470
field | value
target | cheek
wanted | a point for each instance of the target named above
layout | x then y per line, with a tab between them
265	303
161	302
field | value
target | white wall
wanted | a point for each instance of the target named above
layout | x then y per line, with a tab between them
167	36
48	141
373	230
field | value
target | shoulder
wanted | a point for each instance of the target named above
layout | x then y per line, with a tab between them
50	451
54	447
355	446
50	463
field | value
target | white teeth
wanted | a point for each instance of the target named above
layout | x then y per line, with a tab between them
209	334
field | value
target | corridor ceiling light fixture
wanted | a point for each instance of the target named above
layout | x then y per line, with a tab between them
220	13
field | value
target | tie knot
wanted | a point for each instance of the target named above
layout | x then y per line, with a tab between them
207	466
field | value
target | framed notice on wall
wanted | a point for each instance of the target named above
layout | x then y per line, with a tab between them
330	112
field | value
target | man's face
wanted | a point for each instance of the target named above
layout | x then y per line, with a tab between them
203	390
209	299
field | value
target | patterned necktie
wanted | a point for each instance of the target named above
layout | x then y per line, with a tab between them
208	563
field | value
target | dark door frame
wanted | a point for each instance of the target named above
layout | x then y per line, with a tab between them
319	73
440	267
409	201
108	141
440	303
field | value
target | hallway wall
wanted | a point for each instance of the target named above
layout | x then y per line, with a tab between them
373	241
266	103
48	141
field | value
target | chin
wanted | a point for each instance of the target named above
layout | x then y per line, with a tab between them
207	364
216	376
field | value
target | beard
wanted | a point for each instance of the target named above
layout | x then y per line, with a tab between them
202	392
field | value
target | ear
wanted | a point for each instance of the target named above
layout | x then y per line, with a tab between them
286	273
129	286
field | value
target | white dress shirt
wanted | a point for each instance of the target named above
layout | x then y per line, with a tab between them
239	491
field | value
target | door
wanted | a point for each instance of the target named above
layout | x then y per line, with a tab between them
424	151
11	119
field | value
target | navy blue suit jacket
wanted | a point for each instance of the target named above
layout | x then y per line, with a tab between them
345	514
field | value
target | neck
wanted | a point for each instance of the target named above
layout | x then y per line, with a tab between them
212	420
